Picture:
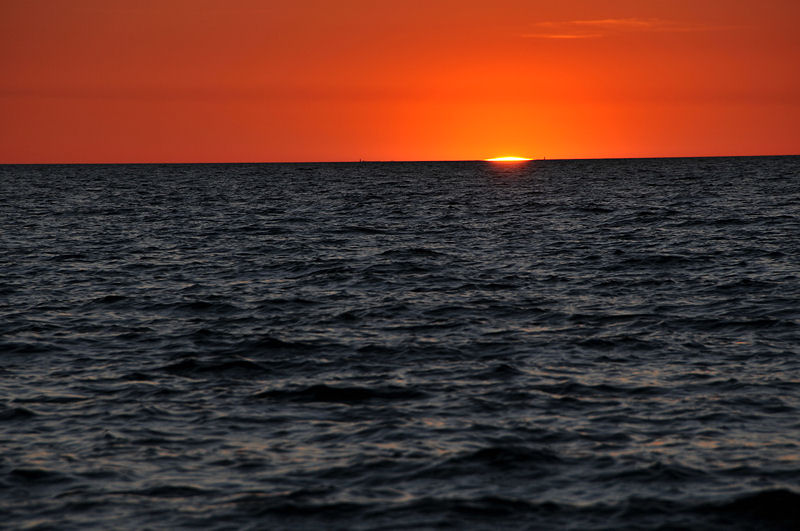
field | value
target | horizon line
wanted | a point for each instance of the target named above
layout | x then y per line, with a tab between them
389	161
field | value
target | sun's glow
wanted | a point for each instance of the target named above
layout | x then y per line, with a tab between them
507	159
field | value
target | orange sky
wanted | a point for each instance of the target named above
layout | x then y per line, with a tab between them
308	80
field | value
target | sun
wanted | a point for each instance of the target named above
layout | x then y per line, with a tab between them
507	159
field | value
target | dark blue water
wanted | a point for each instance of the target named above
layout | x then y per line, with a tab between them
607	344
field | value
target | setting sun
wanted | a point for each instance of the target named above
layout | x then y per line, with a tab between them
507	159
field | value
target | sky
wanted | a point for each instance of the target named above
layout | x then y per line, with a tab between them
311	80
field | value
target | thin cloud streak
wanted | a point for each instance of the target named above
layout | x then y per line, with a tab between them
562	35
619	23
592	29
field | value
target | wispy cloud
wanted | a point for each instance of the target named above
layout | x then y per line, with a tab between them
619	23
592	29
563	35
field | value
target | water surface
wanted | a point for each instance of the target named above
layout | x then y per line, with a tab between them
608	344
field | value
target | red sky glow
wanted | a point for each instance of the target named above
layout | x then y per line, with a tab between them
312	80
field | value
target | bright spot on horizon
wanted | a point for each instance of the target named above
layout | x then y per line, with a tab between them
507	159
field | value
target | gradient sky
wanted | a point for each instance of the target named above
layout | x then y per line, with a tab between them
310	80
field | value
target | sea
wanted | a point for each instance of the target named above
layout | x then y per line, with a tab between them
551	344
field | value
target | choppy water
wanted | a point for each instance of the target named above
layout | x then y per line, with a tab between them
559	344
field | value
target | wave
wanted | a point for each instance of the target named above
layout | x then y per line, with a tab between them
341	394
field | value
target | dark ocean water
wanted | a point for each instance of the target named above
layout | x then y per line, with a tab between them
609	344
